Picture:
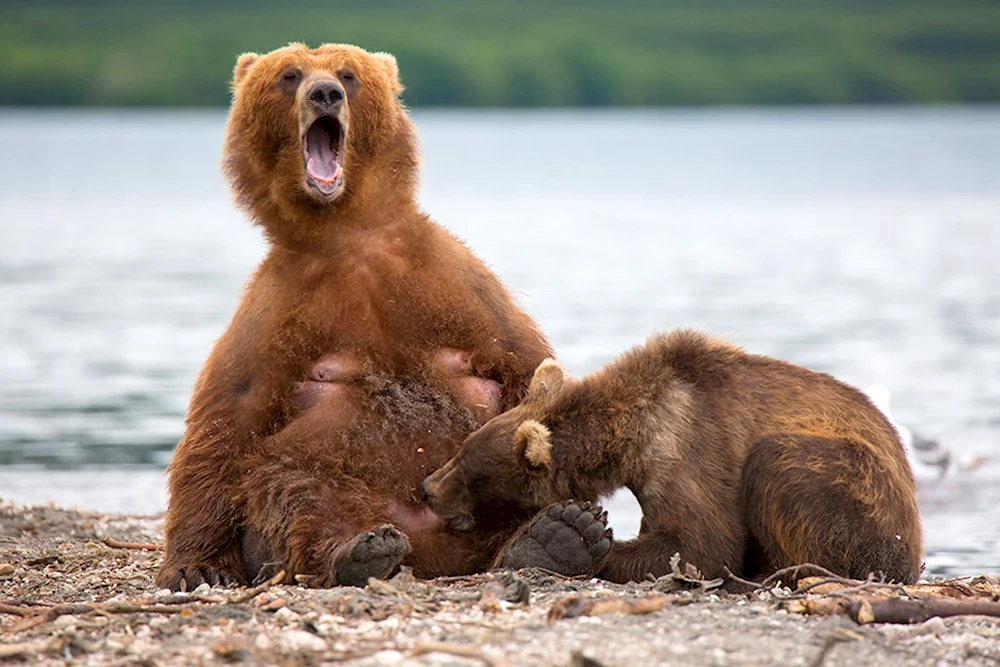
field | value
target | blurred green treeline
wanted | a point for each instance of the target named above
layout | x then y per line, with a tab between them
519	52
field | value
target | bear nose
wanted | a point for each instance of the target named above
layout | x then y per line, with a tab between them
326	95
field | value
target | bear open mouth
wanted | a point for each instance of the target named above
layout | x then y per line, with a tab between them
323	152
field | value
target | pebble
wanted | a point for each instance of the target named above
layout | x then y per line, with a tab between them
203	589
165	593
300	640
65	621
263	642
286	615
388	658
6	569
274	605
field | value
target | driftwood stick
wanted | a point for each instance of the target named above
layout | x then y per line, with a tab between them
48	615
867	586
15	611
123	608
895	610
117	544
746	582
795	571
21	650
459	650
250	594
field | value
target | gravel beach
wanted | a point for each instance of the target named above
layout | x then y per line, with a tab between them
70	598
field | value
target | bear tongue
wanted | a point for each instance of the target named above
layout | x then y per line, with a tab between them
322	163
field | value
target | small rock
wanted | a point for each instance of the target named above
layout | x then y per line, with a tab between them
65	621
231	649
300	640
274	605
263	642
164	593
286	615
203	589
388	658
6	570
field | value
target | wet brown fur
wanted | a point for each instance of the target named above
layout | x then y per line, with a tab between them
369	276
737	460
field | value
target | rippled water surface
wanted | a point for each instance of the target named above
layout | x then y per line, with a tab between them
862	243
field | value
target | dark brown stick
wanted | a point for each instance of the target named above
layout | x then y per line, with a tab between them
50	614
116	544
794	570
896	610
740	580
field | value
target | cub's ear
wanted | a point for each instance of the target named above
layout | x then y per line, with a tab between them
547	380
243	64
531	440
390	68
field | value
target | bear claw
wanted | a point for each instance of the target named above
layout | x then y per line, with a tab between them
187	579
569	538
375	553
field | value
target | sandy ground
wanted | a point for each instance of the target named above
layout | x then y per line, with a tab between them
69	598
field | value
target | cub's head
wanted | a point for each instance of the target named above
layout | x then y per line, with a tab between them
311	128
506	467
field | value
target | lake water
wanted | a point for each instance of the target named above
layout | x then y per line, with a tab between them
864	243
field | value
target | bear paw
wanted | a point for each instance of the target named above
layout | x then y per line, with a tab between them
186	579
373	554
568	538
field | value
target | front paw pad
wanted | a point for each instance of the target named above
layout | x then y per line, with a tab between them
569	538
373	554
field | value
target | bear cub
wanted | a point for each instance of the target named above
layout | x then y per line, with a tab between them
738	461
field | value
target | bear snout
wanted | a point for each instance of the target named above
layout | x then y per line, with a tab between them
440	498
431	489
325	96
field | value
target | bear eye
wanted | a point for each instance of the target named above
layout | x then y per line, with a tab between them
350	81
289	79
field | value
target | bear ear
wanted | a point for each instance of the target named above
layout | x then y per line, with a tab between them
243	64
547	380
531	440
391	70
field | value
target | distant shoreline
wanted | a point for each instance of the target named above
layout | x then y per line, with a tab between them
519	54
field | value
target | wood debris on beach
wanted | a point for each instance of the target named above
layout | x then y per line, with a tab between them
77	588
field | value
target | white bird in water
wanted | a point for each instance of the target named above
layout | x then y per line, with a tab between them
926	454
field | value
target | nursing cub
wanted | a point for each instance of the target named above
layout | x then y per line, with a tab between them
738	461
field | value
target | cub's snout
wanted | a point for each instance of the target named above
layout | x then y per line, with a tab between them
448	497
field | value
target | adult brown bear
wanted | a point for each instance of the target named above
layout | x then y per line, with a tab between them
738	461
368	344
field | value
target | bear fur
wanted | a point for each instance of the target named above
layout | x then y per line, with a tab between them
367	345
738	461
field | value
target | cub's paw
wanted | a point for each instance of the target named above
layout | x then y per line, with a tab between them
373	554
186	579
569	538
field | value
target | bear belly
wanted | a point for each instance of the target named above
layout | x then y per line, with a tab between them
329	382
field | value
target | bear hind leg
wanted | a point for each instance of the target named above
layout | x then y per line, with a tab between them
830	502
